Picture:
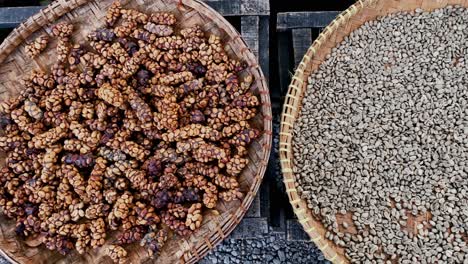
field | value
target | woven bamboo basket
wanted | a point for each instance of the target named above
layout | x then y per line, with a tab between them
345	23
87	15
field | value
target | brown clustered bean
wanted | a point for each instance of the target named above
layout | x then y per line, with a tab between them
37	46
139	130
194	216
117	253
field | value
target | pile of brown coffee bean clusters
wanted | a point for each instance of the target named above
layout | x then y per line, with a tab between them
132	134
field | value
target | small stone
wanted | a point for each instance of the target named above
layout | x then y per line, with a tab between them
281	255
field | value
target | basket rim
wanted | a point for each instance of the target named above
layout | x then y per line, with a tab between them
292	110
57	9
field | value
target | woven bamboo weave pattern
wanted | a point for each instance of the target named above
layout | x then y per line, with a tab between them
349	20
88	15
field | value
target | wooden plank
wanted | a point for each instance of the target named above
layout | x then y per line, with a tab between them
259	7
284	61
255	207
255	30
249	32
302	39
277	199
264	194
295	231
256	39
291	20
264	45
10	17
226	8
251	228
240	7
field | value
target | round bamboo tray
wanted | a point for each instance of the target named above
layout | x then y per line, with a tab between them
87	15
346	22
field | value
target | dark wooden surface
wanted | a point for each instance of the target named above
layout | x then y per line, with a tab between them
241	7
301	40
316	19
10	17
296	32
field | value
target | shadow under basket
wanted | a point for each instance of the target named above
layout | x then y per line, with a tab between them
87	15
345	23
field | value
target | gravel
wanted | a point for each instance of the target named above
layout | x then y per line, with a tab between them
273	248
382	140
